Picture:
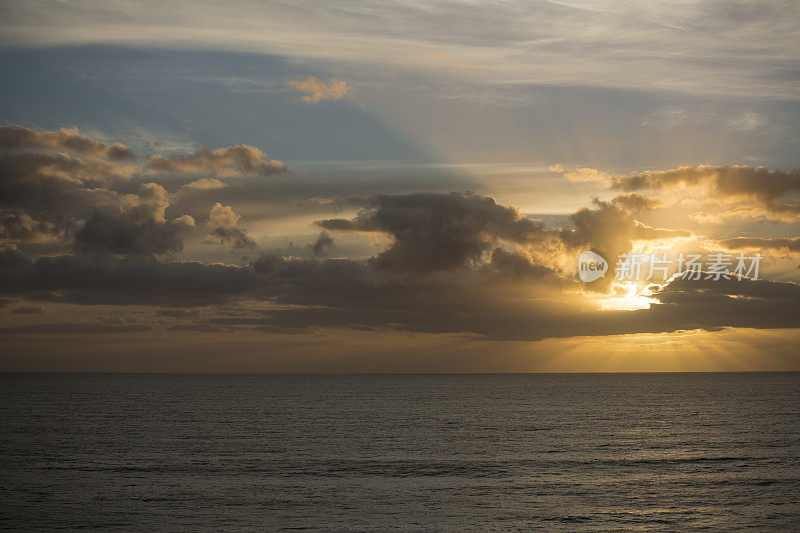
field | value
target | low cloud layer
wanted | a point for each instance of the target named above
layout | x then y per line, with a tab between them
760	243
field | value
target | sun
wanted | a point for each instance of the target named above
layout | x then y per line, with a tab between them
634	298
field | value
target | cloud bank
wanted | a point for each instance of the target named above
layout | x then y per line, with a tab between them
773	193
85	223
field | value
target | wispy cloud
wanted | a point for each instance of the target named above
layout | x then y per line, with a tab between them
580	174
703	47
315	90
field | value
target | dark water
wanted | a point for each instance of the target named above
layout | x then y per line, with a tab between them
480	452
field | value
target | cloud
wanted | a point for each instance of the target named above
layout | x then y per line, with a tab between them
762	191
306	294
733	48
448	253
515	266
24	229
67	140
454	263
580	174
60	190
316	90
46	193
707	291
49	186
220	163
77	328
432	232
443	308
635	203
322	245
28	310
178	313
204	184
136	226
136	280
758	243
610	228
202	328
223	225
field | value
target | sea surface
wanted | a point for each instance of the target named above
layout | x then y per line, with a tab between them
677	452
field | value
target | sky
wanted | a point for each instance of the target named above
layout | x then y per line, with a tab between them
374	186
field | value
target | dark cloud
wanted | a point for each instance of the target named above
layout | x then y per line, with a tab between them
25	231
47	195
51	186
515	266
93	328
178	313
433	232
119	234
340	293
139	280
322	246
28	310
713	304
23	227
11	257
704	290
203	328
685	305
136	226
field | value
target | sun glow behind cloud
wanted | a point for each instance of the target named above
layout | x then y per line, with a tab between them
633	297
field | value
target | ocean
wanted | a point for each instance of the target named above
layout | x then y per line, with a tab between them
493	452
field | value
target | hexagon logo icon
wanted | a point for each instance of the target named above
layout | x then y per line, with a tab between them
591	266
